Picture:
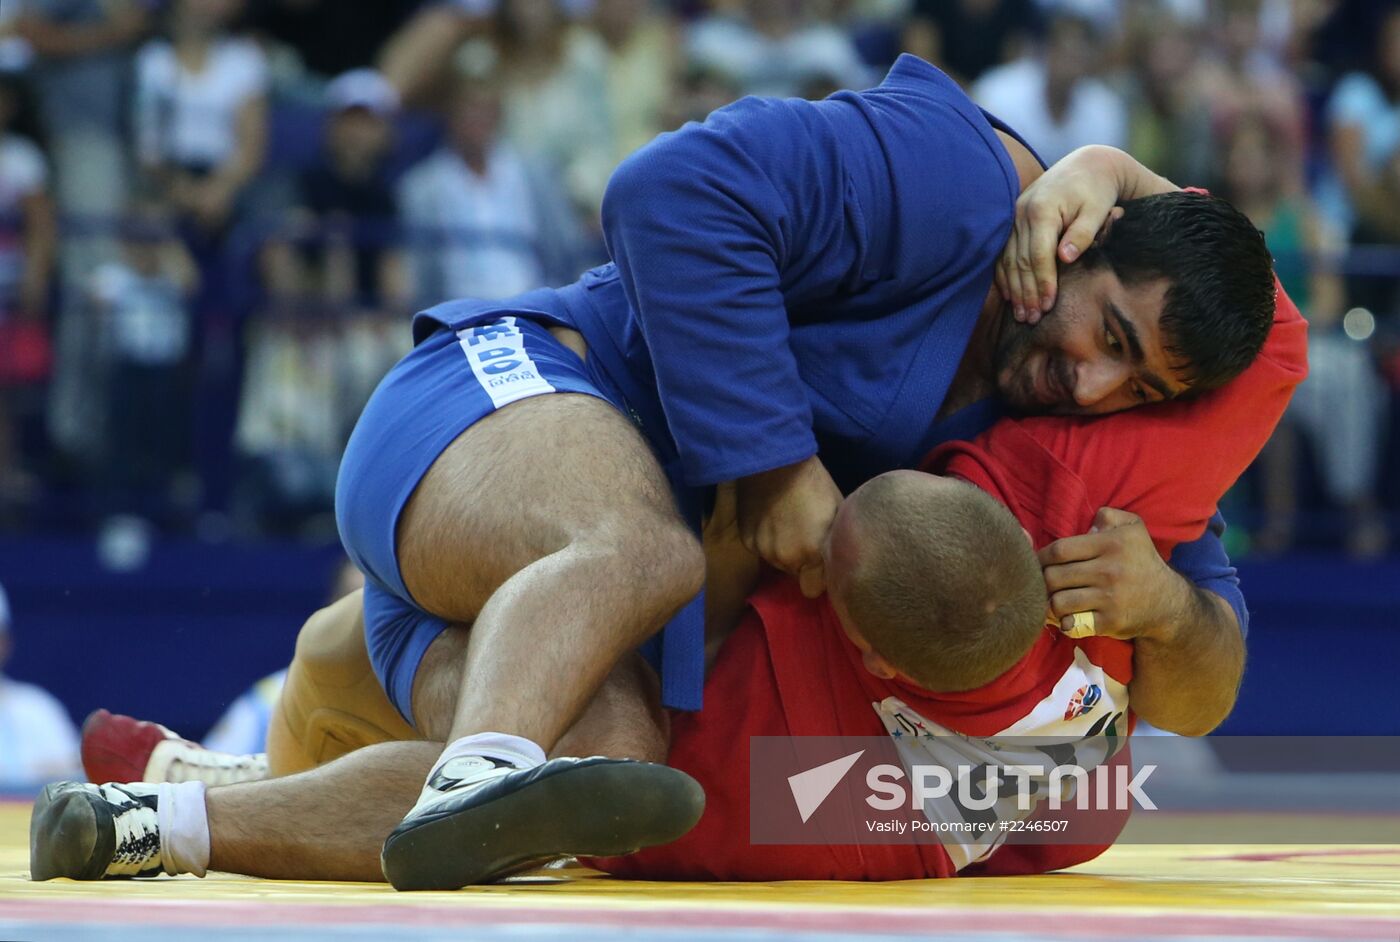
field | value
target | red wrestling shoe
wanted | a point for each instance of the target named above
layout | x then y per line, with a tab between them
119	748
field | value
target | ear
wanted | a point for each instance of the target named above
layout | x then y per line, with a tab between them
878	666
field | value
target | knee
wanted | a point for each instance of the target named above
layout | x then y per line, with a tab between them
664	561
690	571
330	655
331	645
332	702
674	558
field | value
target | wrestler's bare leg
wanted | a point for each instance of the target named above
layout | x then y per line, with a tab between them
332	703
548	527
325	824
330	823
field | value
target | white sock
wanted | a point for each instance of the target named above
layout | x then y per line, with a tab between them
517	750
184	828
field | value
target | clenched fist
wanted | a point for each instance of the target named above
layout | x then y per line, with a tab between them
1115	572
783	518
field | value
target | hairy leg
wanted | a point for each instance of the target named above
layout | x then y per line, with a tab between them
548	527
325	824
625	719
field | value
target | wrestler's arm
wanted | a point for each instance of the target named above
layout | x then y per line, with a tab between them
1205	562
1187	680
1188	651
731	571
1052	473
717	228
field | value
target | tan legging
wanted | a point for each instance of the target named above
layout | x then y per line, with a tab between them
332	703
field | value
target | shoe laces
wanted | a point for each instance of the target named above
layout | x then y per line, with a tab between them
191	762
137	825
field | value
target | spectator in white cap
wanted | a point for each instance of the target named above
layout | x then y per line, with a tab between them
38	741
347	212
362	88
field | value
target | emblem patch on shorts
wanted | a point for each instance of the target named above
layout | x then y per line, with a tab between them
496	352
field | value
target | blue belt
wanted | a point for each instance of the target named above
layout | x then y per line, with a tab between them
679	649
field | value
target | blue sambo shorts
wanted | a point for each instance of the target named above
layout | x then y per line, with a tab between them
445	385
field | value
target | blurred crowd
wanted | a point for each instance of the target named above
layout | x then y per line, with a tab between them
216	216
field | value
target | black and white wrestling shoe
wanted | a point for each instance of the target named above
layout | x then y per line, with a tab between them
481	819
94	832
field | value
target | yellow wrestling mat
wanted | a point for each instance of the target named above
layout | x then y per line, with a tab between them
1132	892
